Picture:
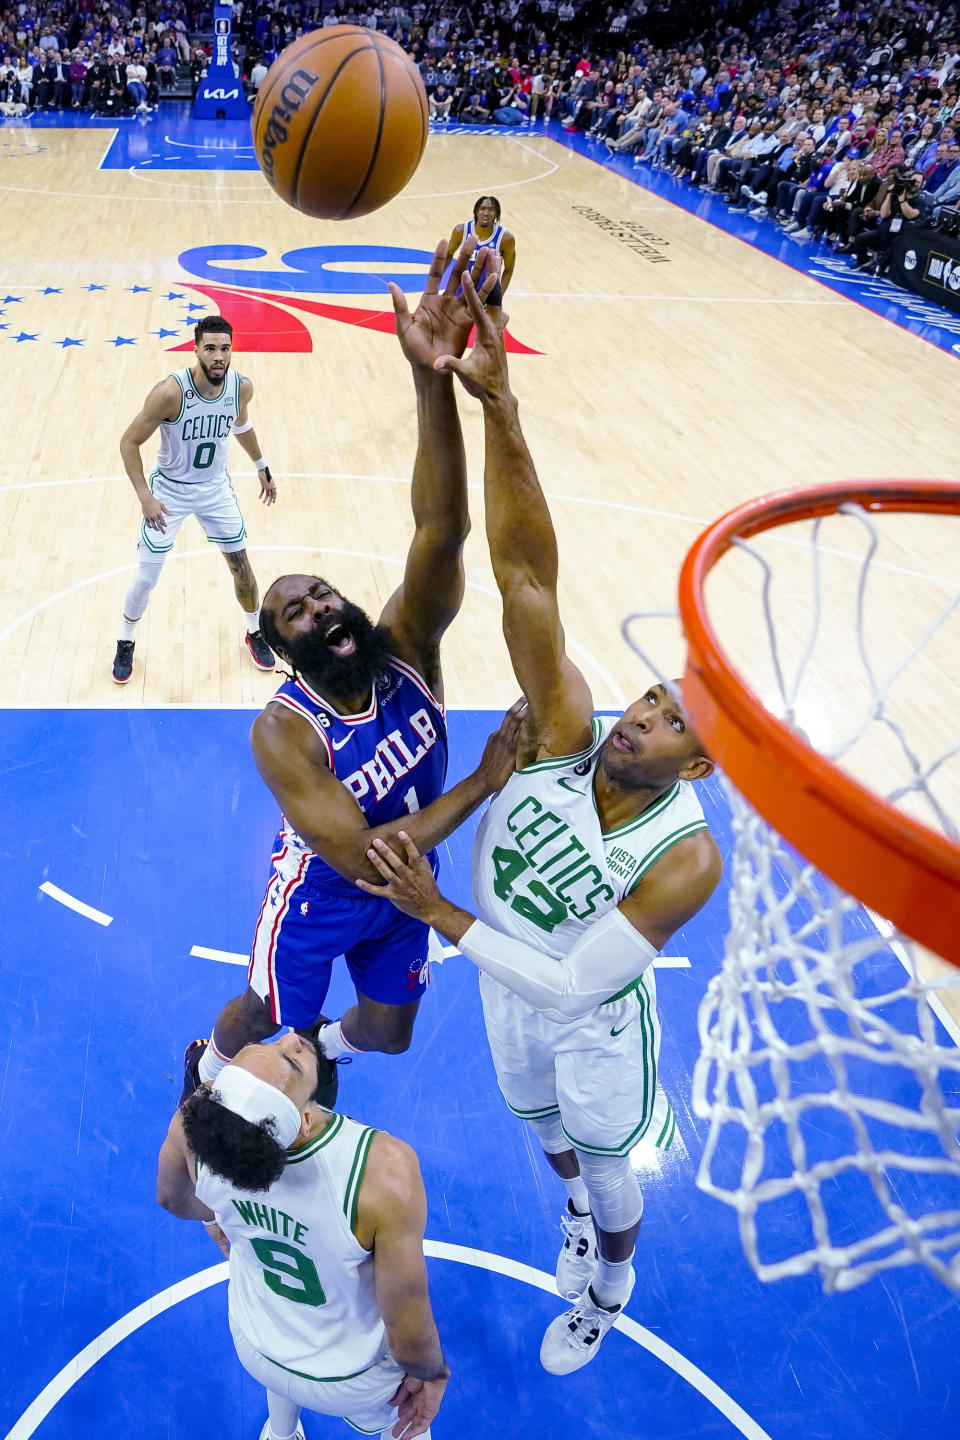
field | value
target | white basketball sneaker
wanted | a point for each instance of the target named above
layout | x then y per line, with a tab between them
572	1340
267	1434
577	1261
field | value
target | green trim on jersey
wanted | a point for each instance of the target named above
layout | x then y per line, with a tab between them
144	536
561	762
359	1428
694	827
645	816
622	994
170	479
318	1379
214	399
621	1149
669	1131
183	400
228	539
305	1151
540	1114
355	1178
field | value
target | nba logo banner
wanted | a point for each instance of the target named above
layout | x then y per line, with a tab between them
220	95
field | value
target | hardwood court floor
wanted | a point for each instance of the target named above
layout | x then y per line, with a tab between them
664	393
665	390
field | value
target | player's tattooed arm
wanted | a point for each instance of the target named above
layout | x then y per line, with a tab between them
293	761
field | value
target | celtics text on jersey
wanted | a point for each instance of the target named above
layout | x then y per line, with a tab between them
194	446
542	868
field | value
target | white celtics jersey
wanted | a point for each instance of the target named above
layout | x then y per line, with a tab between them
193	448
542	870
301	1285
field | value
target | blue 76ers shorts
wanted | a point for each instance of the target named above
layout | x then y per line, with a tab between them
302	929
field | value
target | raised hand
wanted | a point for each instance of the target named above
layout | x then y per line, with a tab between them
441	323
483	373
499	758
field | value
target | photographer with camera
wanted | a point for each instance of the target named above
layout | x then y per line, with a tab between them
902	202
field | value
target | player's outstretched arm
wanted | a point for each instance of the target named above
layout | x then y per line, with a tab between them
614	950
246	437
391	1219
418	613
523	548
293	761
163	403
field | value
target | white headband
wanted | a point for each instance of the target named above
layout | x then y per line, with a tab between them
255	1100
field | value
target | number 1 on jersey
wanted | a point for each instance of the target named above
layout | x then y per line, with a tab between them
411	801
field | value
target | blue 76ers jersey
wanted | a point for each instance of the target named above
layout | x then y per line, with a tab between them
392	757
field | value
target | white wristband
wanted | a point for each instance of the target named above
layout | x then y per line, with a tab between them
261	464
242	429
209	1223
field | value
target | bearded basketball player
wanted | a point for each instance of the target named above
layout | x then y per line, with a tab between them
356	741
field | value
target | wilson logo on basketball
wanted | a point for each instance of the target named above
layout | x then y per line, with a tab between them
292	96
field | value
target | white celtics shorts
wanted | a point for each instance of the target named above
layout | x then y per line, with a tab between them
214	502
362	1401
598	1073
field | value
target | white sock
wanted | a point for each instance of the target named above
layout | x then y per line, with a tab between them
253	620
211	1062
579	1200
612	1281
333	1042
128	629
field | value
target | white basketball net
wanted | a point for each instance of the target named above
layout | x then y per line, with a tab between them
831	1088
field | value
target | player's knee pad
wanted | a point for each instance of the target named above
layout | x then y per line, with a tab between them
615	1199
138	596
549	1132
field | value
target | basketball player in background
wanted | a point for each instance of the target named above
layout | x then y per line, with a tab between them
322	1220
488	232
196	411
356	742
594	853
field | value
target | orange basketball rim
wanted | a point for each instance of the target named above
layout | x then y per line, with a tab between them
890	862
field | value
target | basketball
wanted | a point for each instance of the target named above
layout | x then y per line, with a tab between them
340	122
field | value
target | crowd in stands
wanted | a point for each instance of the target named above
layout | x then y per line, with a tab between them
835	123
85	56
